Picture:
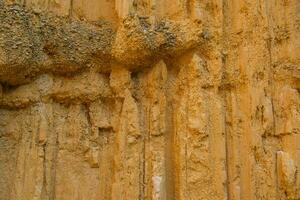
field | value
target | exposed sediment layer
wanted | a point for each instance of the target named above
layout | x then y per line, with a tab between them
167	99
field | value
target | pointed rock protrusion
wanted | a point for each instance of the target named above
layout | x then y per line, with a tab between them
286	173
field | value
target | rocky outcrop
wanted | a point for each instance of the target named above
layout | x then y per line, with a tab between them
156	99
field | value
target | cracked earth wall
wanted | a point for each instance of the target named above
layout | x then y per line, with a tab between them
149	99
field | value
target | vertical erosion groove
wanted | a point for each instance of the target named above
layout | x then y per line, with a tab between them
170	133
71	9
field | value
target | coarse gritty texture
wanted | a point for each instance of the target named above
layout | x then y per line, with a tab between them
149	99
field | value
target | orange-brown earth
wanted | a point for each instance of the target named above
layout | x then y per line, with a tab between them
149	99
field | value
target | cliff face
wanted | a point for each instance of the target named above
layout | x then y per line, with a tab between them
149	99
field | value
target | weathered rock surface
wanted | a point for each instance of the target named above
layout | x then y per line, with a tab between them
149	99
